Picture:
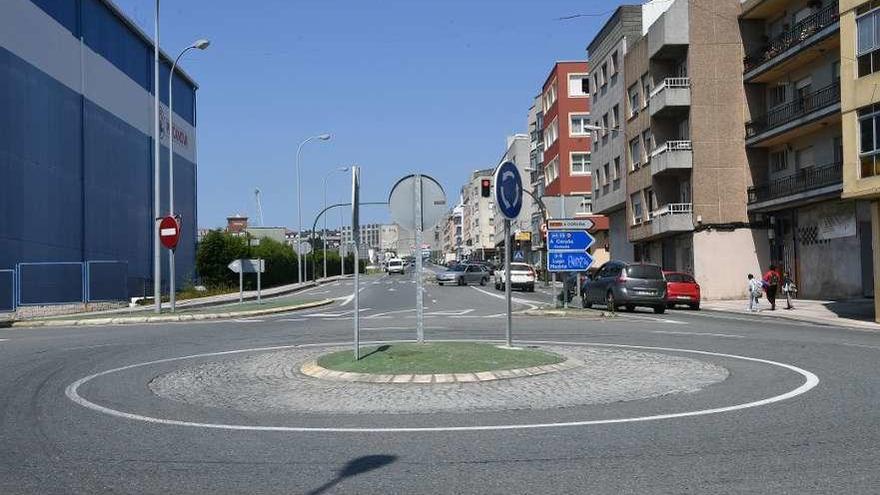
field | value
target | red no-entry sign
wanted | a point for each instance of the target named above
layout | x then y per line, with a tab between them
169	232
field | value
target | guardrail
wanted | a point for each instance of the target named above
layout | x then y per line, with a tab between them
798	33
789	112
802	181
672	83
676	145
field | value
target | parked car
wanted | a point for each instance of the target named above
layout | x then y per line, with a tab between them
395	265
628	285
522	276
463	275
681	288
488	266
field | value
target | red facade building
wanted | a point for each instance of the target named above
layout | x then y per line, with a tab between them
565	100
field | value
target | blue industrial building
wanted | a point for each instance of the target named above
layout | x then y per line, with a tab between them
76	149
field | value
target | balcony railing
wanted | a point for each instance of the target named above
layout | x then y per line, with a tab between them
803	181
680	145
798	33
673	209
789	112
671	83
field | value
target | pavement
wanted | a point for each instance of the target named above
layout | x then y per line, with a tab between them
796	414
857	313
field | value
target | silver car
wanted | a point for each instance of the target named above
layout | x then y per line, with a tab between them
464	275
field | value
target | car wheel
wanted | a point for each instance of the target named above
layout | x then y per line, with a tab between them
609	302
440	283
461	281
670	305
630	308
695	306
585	303
659	309
530	288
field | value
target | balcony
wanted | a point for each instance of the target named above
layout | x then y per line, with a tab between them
812	31
822	104
672	95
669	36
672	155
672	218
809	184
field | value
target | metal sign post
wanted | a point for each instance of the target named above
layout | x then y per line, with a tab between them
259	297
417	214
243	266
417	202
508	198
355	236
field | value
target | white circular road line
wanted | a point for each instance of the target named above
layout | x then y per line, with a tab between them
810	381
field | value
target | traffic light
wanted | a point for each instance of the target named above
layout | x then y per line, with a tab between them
486	188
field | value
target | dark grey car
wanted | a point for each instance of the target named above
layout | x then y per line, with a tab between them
618	284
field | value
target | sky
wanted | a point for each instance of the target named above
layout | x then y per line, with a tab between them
429	86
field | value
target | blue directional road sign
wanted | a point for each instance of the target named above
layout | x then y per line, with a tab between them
508	190
580	240
568	261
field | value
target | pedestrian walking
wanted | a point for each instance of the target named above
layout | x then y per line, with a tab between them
754	290
789	289
771	281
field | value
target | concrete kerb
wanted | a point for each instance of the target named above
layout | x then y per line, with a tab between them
314	370
794	317
165	319
569	313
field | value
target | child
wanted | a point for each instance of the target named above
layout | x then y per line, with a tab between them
754	293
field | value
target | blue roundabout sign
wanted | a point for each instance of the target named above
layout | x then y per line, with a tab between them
508	190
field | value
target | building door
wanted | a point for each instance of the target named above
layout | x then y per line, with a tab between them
867	258
786	245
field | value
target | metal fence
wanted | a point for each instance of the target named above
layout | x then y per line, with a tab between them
7	291
46	283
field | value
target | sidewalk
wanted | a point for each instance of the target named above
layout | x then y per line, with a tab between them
856	313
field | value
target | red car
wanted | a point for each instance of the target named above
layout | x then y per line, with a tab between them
681	288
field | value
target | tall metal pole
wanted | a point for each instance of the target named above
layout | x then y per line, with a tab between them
171	270
355	207
324	230
157	254
419	224
508	334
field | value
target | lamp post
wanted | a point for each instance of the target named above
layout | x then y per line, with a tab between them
321	137
201	44
324	232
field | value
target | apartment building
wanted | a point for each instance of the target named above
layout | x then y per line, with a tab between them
686	167
795	145
860	108
452	233
535	126
517	152
566	162
370	235
478	218
606	54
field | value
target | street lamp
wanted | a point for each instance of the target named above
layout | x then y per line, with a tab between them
157	254
324	232
201	44
320	137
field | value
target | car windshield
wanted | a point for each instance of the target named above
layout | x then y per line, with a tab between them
648	272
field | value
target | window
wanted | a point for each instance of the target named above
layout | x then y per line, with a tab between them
648	86
615	173
551	134
635	154
837	143
551	171
614	63
604	74
615	118
605	126
778	95
578	85
634	103
580	123
650	200
804	159
779	160
595	84
636	202
868	46
586	206
580	163
648	139
550	96
605	176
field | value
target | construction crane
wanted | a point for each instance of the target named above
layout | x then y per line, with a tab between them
259	205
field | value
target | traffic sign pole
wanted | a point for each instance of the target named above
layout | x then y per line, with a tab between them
508	198
355	237
417	214
507	282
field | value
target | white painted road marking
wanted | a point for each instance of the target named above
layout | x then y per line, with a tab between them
514	299
72	393
698	333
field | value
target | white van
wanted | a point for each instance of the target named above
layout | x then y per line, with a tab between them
394	265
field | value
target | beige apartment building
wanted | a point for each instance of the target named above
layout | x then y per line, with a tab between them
686	166
860	108
478	218
794	138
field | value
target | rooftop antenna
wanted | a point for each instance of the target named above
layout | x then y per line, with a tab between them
259	205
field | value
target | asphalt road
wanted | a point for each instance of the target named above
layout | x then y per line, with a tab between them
822	441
